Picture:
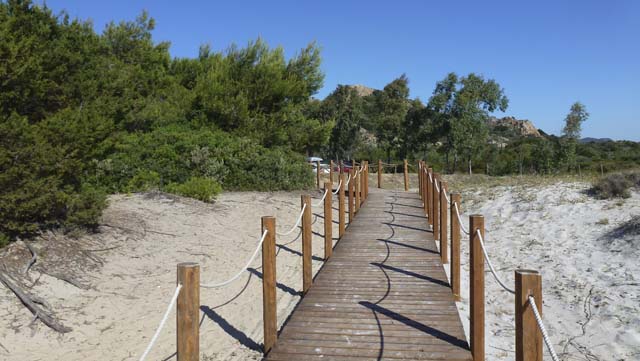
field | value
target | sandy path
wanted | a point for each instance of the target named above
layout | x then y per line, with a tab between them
591	282
115	319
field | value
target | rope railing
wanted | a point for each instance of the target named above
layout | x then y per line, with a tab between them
455	205
543	330
338	188
326	191
295	226
255	253
153	340
493	271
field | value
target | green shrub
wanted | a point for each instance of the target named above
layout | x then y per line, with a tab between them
204	189
40	185
616	185
144	180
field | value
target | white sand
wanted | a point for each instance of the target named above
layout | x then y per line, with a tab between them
591	284
116	318
549	228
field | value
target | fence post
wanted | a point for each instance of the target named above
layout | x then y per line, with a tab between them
430	195
476	279
188	312
366	182
528	335
351	187
363	182
379	173
357	189
406	176
269	307
444	217
331	171
341	210
436	206
318	174
420	180
328	221
455	247
306	244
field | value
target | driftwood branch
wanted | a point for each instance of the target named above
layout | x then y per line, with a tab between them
32	261
38	312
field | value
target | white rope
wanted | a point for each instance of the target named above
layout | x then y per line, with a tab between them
348	180
164	320
455	205
486	257
326	191
446	196
215	285
437	187
295	226
543	330
338	189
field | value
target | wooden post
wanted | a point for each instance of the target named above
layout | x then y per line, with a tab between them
425	201
357	189
306	244
269	306
528	335
331	171
420	179
406	176
363	177
429	190
436	206
341	208
379	173
188	312
444	217
352	202
476	294
328	221
455	247
318	174
366	182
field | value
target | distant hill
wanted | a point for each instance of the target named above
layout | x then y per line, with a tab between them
510	127
362	90
595	140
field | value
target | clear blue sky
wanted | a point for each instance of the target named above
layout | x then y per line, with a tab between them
546	54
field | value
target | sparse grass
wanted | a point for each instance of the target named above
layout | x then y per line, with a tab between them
628	230
480	181
603	222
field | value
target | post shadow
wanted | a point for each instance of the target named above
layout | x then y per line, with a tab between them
412	274
417	325
297	253
408	246
279	285
231	330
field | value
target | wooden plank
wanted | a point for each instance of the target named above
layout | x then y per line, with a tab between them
382	295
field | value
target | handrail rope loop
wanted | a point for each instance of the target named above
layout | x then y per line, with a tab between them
437	187
326	191
493	271
455	205
543	330
153	340
255	253
295	226
338	188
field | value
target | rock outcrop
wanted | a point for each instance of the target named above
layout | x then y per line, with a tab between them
519	127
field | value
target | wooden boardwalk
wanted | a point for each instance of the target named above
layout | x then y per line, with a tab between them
383	295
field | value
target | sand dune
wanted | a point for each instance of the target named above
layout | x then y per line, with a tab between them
590	274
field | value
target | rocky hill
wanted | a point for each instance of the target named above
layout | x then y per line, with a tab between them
512	127
362	90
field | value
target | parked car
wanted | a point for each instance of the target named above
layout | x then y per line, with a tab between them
324	168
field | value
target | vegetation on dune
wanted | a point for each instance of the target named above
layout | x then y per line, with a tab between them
85	114
616	185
